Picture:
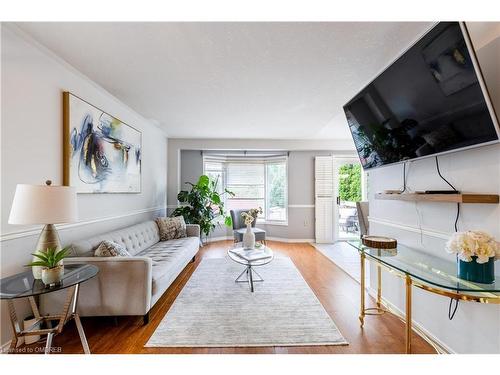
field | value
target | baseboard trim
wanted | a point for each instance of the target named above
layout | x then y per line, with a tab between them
36	231
215	239
438	345
291	240
410	228
278	239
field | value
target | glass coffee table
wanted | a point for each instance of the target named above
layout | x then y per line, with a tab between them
249	270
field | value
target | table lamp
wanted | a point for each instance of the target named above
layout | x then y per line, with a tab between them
47	205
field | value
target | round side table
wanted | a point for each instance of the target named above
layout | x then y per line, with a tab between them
23	285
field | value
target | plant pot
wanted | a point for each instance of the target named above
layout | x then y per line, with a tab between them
248	238
52	276
479	273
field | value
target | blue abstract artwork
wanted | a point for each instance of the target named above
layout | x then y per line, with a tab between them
104	152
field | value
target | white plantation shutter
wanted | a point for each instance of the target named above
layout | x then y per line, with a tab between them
324	198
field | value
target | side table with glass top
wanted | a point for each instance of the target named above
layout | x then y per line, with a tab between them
249	270
23	285
423	271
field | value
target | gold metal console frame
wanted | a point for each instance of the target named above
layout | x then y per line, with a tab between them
481	297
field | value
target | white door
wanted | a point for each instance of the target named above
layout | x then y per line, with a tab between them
324	198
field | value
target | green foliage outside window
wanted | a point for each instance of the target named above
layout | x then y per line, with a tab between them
276	174
350	182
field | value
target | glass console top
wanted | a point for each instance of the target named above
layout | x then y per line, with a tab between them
425	267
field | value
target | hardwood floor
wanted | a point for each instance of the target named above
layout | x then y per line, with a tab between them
337	291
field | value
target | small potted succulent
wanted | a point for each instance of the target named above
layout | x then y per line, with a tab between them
476	254
51	262
249	237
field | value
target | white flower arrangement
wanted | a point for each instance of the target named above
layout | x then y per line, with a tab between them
473	243
251	215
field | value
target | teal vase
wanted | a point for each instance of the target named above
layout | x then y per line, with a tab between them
479	273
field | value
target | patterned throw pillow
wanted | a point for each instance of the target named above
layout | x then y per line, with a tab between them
171	228
111	249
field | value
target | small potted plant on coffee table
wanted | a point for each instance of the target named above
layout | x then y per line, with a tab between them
51	263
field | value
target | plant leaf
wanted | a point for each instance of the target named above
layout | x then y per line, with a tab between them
182	196
215	198
41	256
203	181
61	255
37	263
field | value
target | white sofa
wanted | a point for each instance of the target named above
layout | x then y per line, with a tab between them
129	285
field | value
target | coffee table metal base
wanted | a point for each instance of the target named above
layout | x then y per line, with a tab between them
249	271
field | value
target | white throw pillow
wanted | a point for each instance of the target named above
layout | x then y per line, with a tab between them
111	249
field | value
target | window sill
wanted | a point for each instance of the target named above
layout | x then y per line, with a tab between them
277	223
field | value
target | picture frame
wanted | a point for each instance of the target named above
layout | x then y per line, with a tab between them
101	153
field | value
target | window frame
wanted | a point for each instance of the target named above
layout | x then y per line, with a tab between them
224	160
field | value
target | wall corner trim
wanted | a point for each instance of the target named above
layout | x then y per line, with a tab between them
410	228
59	60
36	231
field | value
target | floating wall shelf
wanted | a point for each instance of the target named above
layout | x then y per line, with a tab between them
450	198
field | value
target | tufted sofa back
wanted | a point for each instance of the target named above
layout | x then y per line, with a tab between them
135	238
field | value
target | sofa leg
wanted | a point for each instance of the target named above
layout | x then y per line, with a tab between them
145	318
194	259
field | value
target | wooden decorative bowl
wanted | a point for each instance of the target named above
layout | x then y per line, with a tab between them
379	242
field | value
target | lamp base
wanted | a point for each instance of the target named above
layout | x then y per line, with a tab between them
48	238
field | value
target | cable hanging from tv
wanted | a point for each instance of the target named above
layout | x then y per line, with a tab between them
451	309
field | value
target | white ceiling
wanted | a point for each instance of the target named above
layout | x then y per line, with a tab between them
233	80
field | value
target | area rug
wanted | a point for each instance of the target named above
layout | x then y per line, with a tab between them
214	311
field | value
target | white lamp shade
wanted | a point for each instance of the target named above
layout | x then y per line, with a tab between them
41	204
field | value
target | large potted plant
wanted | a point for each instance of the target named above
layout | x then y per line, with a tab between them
476	253
203	205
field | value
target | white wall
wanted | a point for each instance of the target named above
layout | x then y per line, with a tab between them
31	150
476	327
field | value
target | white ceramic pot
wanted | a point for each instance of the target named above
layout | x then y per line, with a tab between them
248	238
52	276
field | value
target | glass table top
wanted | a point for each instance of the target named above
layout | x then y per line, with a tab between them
261	262
25	285
425	267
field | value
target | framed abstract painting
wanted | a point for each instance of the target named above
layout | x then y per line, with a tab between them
101	153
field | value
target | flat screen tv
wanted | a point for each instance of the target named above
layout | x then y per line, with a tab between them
431	100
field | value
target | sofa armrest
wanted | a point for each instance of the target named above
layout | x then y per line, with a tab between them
192	230
123	286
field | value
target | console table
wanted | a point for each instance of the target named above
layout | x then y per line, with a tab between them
23	285
424	271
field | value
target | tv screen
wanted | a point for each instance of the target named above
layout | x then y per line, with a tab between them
427	102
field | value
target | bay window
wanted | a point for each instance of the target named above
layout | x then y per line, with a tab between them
255	181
